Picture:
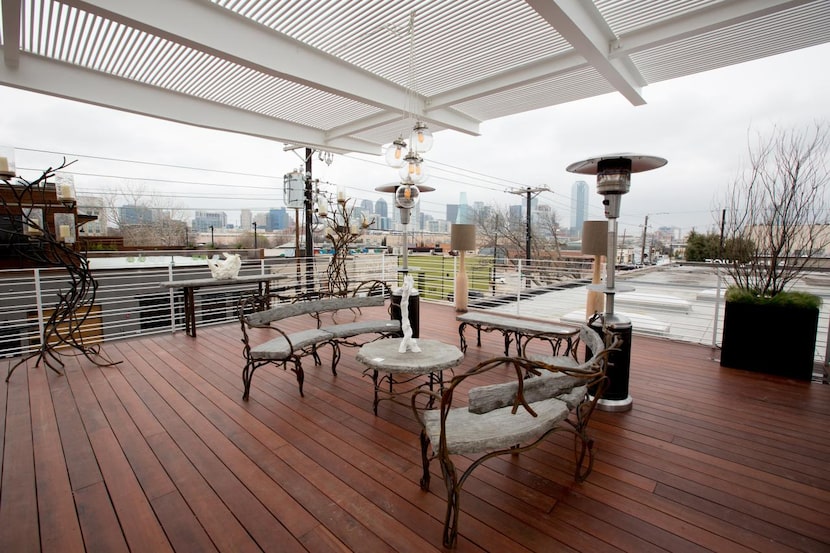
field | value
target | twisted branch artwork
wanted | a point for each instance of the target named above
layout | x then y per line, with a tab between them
40	231
342	233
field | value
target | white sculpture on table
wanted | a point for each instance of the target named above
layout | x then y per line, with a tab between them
408	343
225	269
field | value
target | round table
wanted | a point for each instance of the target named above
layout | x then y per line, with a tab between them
382	356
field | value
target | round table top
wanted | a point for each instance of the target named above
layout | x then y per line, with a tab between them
383	355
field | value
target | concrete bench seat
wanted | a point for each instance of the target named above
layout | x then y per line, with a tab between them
510	417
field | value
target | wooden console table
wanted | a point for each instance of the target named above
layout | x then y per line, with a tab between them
189	286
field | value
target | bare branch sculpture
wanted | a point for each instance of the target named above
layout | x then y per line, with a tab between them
30	238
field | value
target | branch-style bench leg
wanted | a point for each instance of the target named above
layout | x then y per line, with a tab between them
425	477
298	370
462	338
453	501
247	374
335	356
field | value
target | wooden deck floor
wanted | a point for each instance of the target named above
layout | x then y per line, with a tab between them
161	454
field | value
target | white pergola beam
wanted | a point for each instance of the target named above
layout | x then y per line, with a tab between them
513	78
210	28
582	26
59	79
695	23
11	33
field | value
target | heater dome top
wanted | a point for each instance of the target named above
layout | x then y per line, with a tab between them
639	163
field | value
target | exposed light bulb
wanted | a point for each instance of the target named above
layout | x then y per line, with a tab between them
413	168
395	153
406	196
421	138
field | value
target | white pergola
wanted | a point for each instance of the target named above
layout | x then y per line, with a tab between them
337	75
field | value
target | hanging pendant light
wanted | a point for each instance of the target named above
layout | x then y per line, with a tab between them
396	152
406	196
420	140
413	168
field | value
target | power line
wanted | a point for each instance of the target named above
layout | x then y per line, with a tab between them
150	163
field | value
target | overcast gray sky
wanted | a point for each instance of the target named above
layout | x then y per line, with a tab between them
701	124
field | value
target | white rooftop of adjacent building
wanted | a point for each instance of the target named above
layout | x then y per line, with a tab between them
340	75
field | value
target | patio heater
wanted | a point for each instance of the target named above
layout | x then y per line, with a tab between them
406	196
613	173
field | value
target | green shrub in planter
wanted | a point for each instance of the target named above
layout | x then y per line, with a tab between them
774	335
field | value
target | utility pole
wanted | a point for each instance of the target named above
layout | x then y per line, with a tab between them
309	210
297	247
495	251
643	247
531	193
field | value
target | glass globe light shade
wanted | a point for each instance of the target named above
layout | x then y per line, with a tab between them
396	153
421	138
413	169
406	196
322	206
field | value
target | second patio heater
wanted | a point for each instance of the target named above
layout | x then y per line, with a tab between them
613	173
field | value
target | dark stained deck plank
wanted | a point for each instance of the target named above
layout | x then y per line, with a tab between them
59	526
18	495
160	452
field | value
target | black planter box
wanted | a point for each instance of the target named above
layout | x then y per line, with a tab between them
772	339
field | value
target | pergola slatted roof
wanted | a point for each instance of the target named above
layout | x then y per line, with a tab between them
336	74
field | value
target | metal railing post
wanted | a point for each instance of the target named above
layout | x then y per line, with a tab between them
172	296
519	282
39	303
717	309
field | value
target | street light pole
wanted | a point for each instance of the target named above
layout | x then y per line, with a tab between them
254	224
212	244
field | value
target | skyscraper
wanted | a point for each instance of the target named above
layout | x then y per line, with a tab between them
463	216
579	207
382	208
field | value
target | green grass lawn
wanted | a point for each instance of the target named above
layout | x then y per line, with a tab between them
435	274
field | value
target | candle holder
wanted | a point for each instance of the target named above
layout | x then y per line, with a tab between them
65	188
65	227
7	167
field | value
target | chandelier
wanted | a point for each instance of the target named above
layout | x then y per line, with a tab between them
406	157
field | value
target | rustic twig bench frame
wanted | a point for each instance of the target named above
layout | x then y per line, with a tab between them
287	348
561	338
511	417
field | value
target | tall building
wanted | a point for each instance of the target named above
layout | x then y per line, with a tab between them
579	207
452	212
206	219
277	219
464	214
135	215
382	208
245	219
93	205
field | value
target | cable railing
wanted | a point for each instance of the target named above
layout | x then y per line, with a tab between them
681	302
